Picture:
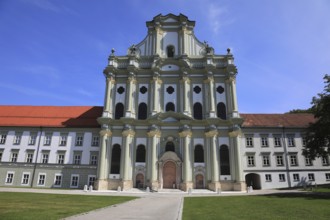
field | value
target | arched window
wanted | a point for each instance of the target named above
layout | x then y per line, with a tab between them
119	112
224	160
170	107
141	154
198	111
115	159
142	114
170	146
170	51
221	111
199	154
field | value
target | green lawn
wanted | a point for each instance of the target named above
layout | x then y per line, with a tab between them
277	206
51	206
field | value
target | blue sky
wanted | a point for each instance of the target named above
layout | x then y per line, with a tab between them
53	52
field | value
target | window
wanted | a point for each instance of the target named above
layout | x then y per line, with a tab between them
0	156
29	158
121	90
265	160
63	139
250	160
291	141
198	111
264	141
25	178
17	138
93	160
199	154
142	111
277	141
14	156
308	161
119	110
115	159
221	110
249	141
311	177
60	158
79	139
91	180
327	176
41	179
304	141
143	89
296	177
293	160
76	159
170	51
32	138
10	178
3	137
169	146
170	107
48	139
281	177
58	180
224	160
170	90
279	160
268	177
74	181
45	157
95	140
220	89
325	161
140	154
197	89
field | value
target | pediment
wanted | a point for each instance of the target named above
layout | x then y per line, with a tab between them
169	155
170	67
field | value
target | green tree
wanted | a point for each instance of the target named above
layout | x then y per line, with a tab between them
318	133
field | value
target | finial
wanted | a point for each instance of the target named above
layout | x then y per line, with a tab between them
228	50
113	51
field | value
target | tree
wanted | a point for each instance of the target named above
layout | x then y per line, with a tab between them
318	133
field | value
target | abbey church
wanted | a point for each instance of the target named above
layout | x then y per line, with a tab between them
170	120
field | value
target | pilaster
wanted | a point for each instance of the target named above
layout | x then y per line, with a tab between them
130	95
239	178
154	138
185	83
231	84
211	136
186	135
110	82
156	83
103	169
209	95
128	136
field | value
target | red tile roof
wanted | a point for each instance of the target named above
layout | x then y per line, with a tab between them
50	116
277	120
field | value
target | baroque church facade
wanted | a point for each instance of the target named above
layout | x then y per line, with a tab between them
170	120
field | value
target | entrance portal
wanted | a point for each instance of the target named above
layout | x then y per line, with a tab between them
139	181
169	175
253	179
199	181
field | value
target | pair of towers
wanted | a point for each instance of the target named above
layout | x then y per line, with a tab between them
170	117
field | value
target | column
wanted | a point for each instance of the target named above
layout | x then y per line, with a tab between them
103	168
154	140
209	95
156	86
231	92
110	81
239	184
211	136
187	165
185	83
126	159
130	95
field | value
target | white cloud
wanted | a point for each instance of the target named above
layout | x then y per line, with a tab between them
218	16
84	92
51	6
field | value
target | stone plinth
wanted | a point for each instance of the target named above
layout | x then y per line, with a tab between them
126	184
154	185
101	184
214	186
186	186
239	186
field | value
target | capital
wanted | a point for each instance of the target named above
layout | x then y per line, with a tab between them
186	133
128	133
211	133
105	132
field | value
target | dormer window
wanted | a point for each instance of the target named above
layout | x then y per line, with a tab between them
170	51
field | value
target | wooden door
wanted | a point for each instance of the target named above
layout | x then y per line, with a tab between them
169	175
199	181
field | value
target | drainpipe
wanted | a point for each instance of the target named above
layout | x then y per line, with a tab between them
286	157
35	162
